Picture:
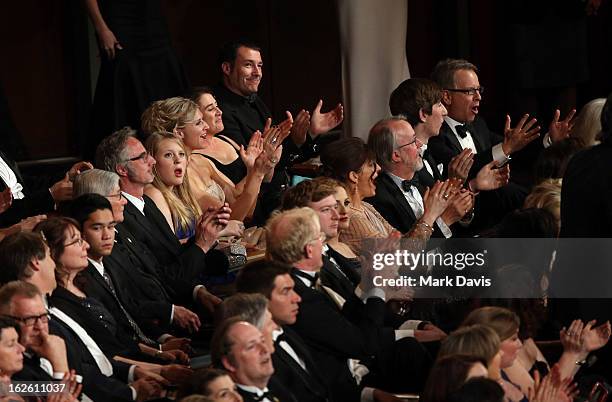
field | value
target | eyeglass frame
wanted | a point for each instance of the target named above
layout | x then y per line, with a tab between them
467	91
322	237
143	155
119	196
78	241
405	145
43	318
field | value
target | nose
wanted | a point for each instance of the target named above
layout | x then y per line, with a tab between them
256	70
477	95
335	215
296	297
444	110
123	201
85	245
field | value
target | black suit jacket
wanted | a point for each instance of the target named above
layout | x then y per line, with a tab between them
278	393
307	385
445	146
423	176
152	230
37	198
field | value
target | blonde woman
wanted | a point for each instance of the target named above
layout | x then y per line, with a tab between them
588	125
547	196
210	187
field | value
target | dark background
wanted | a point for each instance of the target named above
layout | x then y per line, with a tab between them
45	80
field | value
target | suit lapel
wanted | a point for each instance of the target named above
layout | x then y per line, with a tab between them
450	136
157	218
95	275
398	196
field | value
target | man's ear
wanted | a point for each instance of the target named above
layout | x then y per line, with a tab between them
446	98
35	264
226	67
228	364
121	169
422	115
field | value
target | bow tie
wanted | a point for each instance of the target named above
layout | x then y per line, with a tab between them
251	98
263	396
282	337
462	130
313	279
407	184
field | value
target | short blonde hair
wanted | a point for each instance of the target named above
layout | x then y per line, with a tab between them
168	114
547	196
503	321
287	233
588	123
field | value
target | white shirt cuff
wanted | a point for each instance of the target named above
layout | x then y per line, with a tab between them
404	333
134	393
498	154
374	292
194	294
130	378
444	228
163	338
411	324
172	314
367	394
547	140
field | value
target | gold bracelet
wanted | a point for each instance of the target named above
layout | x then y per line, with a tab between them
425	225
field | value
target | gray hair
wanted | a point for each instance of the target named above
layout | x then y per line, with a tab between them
112	151
96	181
382	141
249	307
444	71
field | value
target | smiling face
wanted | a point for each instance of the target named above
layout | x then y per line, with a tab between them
510	348
284	301
342	204
74	257
11	352
211	113
250	361
194	133
244	75
99	231
328	215
461	106
406	153
223	389
171	162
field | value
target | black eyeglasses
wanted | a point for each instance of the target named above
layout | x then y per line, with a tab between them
144	156
117	196
31	320
410	143
78	241
467	91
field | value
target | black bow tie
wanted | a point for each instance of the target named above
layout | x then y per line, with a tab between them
282	337
312	279
266	394
406	184
462	130
251	98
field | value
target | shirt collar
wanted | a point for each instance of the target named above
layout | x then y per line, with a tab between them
396	179
276	333
452	123
99	266
137	202
252	389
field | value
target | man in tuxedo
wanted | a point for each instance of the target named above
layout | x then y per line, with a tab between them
125	155
294	237
398	199
244	112
241	349
25	257
158	298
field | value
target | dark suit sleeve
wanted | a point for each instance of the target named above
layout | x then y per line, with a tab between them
232	128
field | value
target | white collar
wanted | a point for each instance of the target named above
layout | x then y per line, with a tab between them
137	202
276	333
99	266
452	123
252	389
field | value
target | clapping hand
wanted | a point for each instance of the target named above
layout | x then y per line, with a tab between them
560	130
321	123
518	137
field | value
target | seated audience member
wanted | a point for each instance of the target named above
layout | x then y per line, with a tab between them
170	189
69	251
32	196
349	328
579	340
94	215
397	198
349	161
552	162
244	113
210	187
136	267
123	154
213	385
240	348
44	358
587	125
480	390
419	100
546	196
294	364
343	202
11	353
232	159
449	373
26	257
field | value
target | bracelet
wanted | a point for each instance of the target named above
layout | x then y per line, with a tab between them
581	362
425	225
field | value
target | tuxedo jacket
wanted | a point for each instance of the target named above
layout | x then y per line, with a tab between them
37	198
445	146
153	230
278	393
147	300
391	203
307	385
425	178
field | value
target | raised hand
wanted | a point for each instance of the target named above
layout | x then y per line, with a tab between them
570	337
62	190
560	130
254	149
321	123
490	178
211	223
436	200
460	204
459	167
79	168
595	338
518	137
300	128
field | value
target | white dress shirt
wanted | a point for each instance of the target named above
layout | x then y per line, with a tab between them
468	142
